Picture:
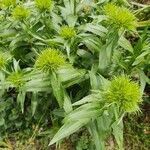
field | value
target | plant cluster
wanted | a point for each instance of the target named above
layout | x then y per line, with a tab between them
69	65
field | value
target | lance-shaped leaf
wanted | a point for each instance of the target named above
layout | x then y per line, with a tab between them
77	119
68	129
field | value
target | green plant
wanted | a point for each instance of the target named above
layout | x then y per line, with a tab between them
4	58
67	65
94	107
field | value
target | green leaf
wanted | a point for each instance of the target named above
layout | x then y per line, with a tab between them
123	42
57	89
143	80
144	23
67	103
84	112
2	121
2	83
98	140
141	58
105	57
37	81
88	99
77	119
34	102
92	43
67	129
118	133
69	12
93	80
95	29
106	52
21	99
60	93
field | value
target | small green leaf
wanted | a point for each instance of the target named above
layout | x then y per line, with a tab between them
123	42
34	102
97	138
21	99
118	133
87	99
67	102
95	29
57	89
2	121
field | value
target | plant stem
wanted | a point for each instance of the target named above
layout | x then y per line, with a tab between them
74	7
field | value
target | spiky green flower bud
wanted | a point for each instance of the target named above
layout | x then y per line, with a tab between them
4	57
16	79
20	13
50	60
43	4
67	32
125	93
121	17
7	3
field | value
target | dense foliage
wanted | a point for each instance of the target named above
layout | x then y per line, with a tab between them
70	70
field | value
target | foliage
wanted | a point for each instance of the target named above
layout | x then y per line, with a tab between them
70	65
4	58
